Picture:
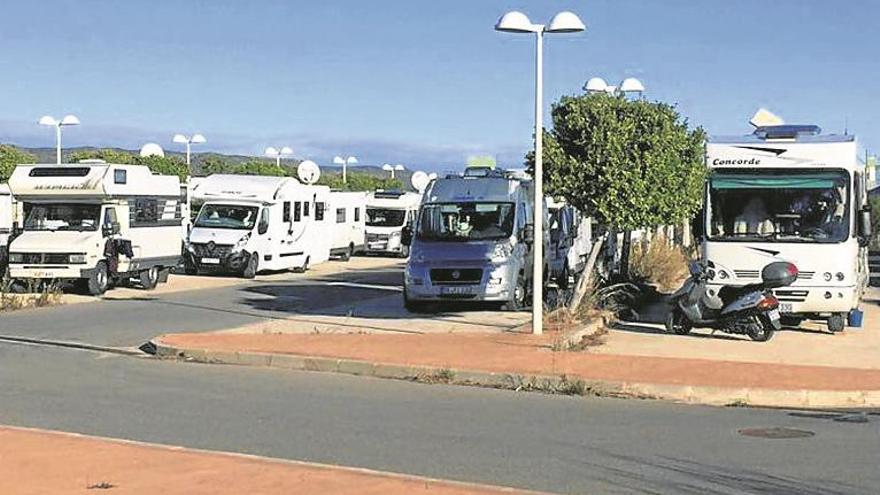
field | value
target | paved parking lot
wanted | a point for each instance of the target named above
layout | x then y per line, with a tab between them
362	295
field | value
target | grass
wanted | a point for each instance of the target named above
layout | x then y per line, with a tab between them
48	295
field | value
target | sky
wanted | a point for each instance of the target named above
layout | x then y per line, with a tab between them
422	83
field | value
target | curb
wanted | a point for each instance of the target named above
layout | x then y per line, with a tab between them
554	384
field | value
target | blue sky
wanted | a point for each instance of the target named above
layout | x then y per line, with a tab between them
417	82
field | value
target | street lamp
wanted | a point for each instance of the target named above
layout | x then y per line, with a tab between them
628	85
517	22
189	141
48	120
344	161
392	168
272	152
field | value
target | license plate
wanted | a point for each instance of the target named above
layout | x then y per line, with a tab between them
774	315
377	245
211	261
42	274
785	308
456	290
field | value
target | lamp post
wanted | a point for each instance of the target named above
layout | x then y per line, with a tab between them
628	85
275	153
344	162
189	141
517	22
48	120
392	168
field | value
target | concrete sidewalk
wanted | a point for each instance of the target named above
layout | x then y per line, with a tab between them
523	361
39	461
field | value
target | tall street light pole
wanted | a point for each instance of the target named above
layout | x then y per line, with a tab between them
344	162
50	121
517	22
275	153
189	141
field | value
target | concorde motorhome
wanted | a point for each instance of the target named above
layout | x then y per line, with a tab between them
348	211
472	241
96	223
249	224
789	193
388	212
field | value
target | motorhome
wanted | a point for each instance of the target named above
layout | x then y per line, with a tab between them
348	209
789	193
570	242
388	212
7	221
472	241
95	223
248	224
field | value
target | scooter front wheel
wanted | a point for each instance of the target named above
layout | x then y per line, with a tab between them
677	322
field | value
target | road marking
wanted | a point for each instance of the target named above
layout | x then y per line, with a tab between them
69	345
391	288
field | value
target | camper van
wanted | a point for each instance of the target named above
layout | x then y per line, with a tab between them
95	223
789	193
248	224
472	241
570	236
348	210
388	212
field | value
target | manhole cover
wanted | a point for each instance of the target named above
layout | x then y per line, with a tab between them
776	433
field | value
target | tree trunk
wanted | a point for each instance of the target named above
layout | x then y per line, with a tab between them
625	249
586	278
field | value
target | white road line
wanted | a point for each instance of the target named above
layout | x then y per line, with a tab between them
390	288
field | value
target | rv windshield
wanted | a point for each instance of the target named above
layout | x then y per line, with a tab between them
385	217
61	216
779	206
466	221
214	216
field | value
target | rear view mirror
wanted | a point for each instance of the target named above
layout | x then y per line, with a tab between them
527	234
406	235
865	227
111	229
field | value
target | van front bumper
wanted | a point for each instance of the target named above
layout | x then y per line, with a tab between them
232	262
814	300
59	272
496	284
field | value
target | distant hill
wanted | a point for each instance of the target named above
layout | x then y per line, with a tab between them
47	155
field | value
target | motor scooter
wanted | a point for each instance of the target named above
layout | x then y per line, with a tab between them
750	310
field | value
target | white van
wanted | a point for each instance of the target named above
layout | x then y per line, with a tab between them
388	212
249	223
349	211
96	223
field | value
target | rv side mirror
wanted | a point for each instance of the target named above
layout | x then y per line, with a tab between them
111	229
527	234
406	235
865	227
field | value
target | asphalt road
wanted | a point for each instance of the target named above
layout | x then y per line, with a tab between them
561	444
131	322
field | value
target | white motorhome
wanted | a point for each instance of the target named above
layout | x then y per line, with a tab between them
388	212
348	210
250	223
96	223
789	193
7	213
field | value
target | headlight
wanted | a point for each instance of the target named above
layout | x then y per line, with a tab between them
242	242
723	275
16	257
396	233
501	253
76	258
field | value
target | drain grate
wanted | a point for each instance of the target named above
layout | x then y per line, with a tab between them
776	433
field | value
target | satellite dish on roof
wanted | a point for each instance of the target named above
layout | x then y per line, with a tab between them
419	181
308	172
766	118
432	175
152	149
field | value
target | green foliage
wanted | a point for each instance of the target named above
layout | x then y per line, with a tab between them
163	165
359	181
262	167
10	156
629	163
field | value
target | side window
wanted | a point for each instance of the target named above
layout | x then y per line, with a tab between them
340	215
319	211
306	205
297	211
263	227
286	214
146	210
357	214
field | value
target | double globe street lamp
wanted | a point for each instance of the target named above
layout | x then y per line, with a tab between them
393	168
189	141
50	121
517	22
277	154
344	162
628	85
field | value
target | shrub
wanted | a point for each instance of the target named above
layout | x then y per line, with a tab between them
660	263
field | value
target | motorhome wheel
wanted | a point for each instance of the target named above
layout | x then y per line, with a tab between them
404	252
250	270
305	267
347	254
99	280
836	323
149	278
517	300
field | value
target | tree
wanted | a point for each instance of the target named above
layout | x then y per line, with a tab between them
628	163
358	181
164	165
10	156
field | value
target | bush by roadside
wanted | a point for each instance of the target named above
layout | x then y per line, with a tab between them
49	295
660	263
